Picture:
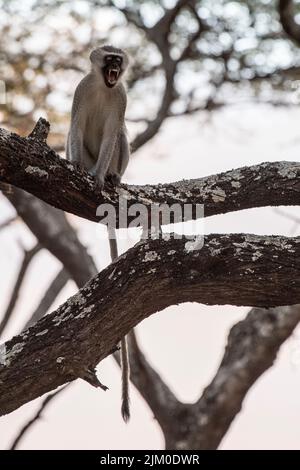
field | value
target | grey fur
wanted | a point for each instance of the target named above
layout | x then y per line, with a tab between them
97	138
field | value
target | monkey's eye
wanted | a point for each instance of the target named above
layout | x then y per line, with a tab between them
108	58
118	60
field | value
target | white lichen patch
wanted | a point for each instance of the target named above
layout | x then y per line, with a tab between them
2	353
280	243
286	171
34	170
236	184
123	193
256	256
151	256
42	333
78	299
234	175
254	243
215	241
215	251
85	312
218	195
194	245
151	271
58	320
62	317
4	134
249	270
60	359
171	252
10	355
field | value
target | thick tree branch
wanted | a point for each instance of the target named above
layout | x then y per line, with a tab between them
70	342
34	167
252	347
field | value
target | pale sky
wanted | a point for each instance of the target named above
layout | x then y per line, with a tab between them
86	418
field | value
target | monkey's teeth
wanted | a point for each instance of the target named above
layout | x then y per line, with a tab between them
113	76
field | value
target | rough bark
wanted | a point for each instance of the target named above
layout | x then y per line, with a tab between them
31	165
234	269
70	342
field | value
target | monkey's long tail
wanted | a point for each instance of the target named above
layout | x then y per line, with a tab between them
125	408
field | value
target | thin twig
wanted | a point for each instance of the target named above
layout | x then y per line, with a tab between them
49	297
8	222
28	256
36	417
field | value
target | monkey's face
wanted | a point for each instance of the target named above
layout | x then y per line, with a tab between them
112	69
110	63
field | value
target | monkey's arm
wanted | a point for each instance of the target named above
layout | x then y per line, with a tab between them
106	151
75	143
114	152
78	119
124	153
119	160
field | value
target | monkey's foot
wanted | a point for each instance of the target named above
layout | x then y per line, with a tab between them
100	181
112	179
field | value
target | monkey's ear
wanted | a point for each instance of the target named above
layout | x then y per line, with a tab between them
93	56
96	54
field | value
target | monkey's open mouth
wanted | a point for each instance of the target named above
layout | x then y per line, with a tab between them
111	76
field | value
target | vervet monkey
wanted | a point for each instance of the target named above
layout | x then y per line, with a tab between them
97	138
97	141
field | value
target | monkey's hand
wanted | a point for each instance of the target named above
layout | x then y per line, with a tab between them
113	179
98	177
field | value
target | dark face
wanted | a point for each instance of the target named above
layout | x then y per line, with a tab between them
112	69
